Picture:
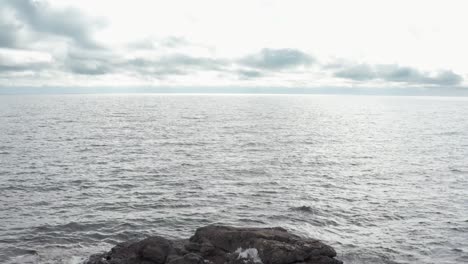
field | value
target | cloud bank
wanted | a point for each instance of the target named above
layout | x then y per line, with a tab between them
397	73
277	59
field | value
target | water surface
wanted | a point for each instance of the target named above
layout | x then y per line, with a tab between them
381	179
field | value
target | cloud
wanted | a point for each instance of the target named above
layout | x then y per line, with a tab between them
100	62
65	33
277	59
41	19
359	72
396	73
18	61
249	74
174	64
9	32
89	62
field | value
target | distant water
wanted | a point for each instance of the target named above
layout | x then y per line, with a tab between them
382	179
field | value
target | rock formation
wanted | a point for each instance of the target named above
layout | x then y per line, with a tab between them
216	244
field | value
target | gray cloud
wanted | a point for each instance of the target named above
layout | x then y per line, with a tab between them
5	68
90	61
99	62
249	74
26	25
40	18
175	64
277	59
396	73
359	72
9	36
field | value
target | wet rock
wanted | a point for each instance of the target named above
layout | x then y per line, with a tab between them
190	258
152	250
216	244
304	208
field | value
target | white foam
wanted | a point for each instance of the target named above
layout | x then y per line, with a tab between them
249	253
25	259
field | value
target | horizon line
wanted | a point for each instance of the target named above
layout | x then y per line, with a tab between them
390	91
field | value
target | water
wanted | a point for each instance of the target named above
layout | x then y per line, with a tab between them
381	179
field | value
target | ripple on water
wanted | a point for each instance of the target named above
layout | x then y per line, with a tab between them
381	186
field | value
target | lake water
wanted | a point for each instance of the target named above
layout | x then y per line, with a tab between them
381	179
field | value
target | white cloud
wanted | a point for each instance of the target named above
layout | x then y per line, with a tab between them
17	60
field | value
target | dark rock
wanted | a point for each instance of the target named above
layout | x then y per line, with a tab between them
152	250
304	208
190	258
222	244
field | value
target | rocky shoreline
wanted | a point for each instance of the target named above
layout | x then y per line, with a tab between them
215	244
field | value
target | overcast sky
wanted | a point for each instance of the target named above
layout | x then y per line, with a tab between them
237	43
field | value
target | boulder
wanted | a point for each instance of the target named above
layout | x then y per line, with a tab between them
216	244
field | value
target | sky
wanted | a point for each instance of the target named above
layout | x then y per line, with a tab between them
358	44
